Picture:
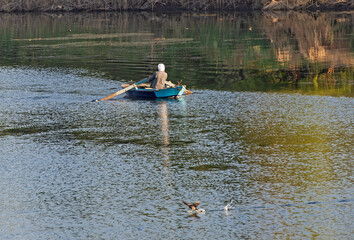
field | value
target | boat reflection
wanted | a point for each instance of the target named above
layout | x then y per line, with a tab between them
163	115
165	142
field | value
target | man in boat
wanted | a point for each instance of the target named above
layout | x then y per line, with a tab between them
158	79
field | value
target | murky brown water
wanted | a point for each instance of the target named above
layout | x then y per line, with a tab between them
73	169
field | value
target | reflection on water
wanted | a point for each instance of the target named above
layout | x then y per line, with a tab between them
311	38
297	52
163	114
165	141
73	169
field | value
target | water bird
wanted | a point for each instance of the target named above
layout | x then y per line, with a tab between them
193	206
227	207
201	210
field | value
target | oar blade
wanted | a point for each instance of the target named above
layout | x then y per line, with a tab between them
117	93
124	90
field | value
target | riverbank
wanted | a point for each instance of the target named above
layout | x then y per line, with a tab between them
154	5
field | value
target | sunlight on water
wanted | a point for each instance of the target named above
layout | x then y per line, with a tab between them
73	169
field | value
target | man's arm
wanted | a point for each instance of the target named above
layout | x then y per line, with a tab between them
152	77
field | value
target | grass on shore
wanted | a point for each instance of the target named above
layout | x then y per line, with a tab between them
120	5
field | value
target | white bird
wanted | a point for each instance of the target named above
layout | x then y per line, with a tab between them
227	207
201	210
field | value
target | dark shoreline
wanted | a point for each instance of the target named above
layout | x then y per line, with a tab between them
270	7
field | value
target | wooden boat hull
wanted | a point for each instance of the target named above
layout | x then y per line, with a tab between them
153	93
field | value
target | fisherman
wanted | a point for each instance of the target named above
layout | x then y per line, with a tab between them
158	79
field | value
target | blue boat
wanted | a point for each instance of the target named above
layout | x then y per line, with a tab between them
172	92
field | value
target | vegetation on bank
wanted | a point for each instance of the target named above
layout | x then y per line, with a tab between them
195	5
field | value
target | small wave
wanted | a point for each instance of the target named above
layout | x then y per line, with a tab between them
285	205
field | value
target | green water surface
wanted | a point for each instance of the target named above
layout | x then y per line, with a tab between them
291	52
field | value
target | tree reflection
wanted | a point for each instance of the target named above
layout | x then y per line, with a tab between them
317	39
233	51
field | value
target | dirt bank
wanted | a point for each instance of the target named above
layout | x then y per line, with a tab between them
191	5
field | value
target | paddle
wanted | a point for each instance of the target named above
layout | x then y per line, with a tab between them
124	90
187	91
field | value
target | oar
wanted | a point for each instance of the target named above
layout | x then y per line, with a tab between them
187	91
124	90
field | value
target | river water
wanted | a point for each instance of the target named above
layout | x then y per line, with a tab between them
269	126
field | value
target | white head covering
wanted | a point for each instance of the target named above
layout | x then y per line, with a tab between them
161	67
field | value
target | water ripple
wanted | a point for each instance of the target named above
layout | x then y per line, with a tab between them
119	169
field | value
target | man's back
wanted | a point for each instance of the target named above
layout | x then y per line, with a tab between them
160	80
